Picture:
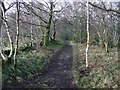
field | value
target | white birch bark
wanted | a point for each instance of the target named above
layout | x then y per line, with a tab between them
1	21
17	34
3	57
10	40
8	34
87	48
31	27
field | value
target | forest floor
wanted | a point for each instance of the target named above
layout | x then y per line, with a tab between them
103	68
58	74
66	69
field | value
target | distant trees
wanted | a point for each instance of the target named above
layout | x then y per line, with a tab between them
45	15
37	23
17	25
105	24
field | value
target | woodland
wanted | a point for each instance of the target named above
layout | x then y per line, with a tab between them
59	44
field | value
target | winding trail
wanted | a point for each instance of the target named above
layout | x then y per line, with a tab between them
58	74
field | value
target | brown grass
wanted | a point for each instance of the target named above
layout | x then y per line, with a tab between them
103	69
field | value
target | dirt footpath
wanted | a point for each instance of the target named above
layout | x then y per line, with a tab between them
57	75
59	72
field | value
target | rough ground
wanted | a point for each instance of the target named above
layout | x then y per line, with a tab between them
57	75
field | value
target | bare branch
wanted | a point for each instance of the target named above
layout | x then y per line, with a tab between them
10	6
40	9
33	24
108	10
28	8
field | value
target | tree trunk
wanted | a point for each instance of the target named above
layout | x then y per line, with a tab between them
44	39
2	16
10	40
1	21
54	33
118	31
87	48
17	34
106	41
47	32
101	43
31	28
3	57
118	46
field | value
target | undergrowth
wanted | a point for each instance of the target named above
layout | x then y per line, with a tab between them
103	71
55	43
27	66
30	62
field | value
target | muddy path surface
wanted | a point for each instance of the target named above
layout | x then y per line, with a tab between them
57	75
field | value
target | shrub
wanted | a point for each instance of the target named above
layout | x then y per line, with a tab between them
55	43
28	63
95	40
26	48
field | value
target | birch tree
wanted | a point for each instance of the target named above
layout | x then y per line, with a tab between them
118	33
31	27
3	19
87	48
17	34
